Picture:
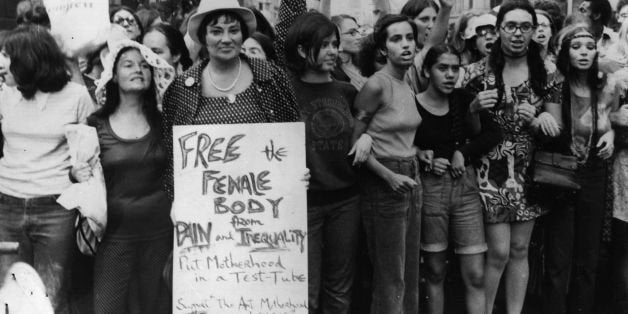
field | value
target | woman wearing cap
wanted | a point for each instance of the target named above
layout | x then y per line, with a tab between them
228	88
38	102
511	84
138	239
474	36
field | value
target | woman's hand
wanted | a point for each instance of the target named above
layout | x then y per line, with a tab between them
484	100
606	145
426	157
457	165
81	172
306	178
400	183
548	124
526	111
361	149
440	165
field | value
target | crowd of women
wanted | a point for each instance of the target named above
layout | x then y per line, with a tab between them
421	139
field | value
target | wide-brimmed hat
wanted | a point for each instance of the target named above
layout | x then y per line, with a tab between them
163	73
475	22
210	6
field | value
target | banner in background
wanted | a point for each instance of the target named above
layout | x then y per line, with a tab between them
78	23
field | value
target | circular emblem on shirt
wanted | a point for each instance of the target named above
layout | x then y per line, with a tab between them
328	123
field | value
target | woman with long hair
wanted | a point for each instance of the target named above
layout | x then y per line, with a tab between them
333	215
511	84
350	40
138	238
36	104
390	186
449	147
544	35
575	219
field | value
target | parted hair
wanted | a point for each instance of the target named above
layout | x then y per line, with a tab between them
308	31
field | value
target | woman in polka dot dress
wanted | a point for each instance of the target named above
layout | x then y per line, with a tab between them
227	88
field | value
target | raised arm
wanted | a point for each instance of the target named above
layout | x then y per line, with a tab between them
441	25
289	10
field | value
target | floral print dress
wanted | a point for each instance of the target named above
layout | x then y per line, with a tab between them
503	173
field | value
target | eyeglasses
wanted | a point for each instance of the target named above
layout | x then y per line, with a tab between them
485	30
121	20
511	28
353	32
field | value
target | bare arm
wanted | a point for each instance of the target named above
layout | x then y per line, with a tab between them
441	26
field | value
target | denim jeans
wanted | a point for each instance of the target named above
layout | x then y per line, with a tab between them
392	223
45	232
332	244
573	243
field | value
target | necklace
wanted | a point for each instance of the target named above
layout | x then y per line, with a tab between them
230	96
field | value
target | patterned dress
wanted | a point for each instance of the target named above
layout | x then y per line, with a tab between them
503	173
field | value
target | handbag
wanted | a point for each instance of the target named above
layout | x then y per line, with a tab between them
86	239
555	169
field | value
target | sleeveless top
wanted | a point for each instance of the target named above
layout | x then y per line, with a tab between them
394	124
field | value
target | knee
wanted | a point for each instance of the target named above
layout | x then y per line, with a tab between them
436	274
519	251
475	278
498	257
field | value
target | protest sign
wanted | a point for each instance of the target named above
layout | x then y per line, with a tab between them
241	219
79	24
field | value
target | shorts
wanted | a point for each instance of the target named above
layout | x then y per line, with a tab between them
454	205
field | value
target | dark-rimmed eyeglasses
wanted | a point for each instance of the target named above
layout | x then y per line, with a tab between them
511	28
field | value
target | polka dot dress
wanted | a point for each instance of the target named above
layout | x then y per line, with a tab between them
218	110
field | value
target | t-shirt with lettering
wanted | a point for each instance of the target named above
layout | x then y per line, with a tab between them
137	205
326	110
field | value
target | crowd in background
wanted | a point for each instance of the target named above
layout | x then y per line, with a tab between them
423	138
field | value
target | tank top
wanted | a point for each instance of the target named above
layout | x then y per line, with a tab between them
394	124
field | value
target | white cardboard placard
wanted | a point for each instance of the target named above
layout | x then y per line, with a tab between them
240	242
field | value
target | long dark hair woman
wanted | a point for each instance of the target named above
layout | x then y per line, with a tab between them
138	239
511	84
575	219
35	167
449	146
390	185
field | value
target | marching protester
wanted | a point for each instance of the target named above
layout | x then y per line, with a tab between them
511	83
544	35
35	168
474	36
333	216
350	38
125	17
575	219
138	239
451	202
165	41
228	88
390	185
